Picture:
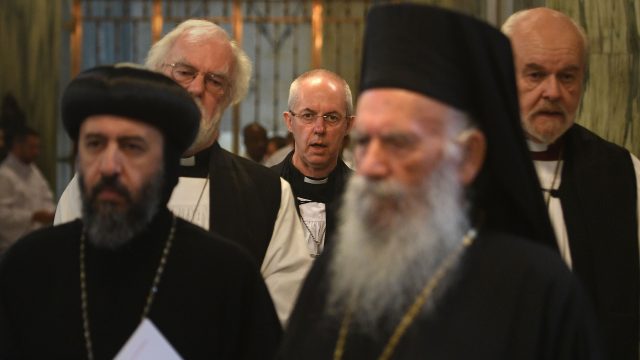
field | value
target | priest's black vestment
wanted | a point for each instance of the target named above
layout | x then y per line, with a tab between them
507	299
211	301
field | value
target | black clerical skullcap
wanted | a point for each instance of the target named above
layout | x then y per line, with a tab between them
435	52
467	64
143	95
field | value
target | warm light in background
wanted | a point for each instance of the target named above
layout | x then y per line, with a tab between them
316	33
156	22
76	38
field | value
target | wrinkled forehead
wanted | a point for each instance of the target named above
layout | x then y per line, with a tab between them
320	89
394	109
114	126
212	53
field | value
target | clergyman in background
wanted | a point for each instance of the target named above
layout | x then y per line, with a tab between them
319	117
590	185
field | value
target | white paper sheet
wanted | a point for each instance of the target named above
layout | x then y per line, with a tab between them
147	343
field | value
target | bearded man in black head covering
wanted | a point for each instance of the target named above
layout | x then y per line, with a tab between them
129	267
433	257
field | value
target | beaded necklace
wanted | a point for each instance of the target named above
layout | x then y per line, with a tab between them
150	297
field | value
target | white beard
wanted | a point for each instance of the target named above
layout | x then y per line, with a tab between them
380	269
207	132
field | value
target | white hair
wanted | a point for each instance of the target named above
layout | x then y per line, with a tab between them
379	269
293	89
202	30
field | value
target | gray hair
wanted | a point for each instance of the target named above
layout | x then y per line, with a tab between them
515	18
293	89
200	30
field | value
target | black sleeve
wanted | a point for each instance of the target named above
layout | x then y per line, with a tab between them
260	332
8	342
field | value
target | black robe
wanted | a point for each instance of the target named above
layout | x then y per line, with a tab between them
330	193
244	198
599	202
510	299
211	301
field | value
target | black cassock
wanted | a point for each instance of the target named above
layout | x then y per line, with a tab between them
211	301
509	299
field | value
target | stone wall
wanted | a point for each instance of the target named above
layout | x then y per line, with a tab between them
611	103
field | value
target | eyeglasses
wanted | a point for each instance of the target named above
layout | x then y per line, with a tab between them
309	117
184	74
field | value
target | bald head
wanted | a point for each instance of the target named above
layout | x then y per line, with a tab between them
544	20
320	76
550	51
318	94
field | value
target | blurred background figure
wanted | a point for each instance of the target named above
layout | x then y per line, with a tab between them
347	152
3	146
26	201
274	144
255	141
11	118
279	155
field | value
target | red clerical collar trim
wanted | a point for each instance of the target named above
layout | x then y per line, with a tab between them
553	152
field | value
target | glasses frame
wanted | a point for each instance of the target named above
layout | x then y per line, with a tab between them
325	118
210	79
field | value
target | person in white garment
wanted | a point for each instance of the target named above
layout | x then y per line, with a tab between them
218	190
320	116
590	185
26	201
277	156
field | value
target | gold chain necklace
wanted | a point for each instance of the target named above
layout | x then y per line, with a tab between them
413	311
150	296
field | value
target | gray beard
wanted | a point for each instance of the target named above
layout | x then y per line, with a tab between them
107	226
381	262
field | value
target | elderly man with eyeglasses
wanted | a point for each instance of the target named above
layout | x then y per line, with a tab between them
319	117
220	191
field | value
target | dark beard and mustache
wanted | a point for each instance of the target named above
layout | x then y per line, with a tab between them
109	227
391	240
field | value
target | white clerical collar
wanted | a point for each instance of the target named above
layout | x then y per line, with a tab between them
536	146
188	161
309	180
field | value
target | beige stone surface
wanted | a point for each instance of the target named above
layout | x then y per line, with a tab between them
611	102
